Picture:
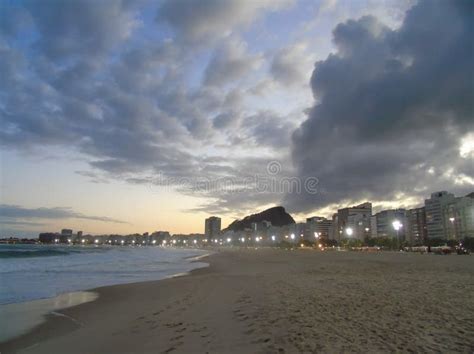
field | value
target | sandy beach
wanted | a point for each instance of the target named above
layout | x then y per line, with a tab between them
277	301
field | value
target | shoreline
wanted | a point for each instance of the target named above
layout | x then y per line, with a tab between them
61	322
276	301
25	316
41	311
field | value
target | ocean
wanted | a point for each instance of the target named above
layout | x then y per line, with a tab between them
36	280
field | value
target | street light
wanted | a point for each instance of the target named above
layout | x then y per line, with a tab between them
349	231
452	219
397	225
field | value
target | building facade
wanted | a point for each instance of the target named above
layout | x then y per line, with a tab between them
459	218
317	227
212	227
385	220
436	222
416	233
353	222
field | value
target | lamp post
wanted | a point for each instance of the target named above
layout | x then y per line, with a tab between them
397	225
452	219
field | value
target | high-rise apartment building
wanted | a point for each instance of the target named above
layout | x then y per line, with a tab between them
212	227
436	222
416	233
354	222
385	223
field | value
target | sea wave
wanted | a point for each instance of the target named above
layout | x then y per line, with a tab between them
27	251
32	253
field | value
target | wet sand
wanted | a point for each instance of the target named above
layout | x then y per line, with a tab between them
276	301
20	318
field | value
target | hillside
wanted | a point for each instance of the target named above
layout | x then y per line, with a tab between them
276	215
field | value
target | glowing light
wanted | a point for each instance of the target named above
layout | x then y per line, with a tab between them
349	231
273	238
397	225
451	219
96	241
367	229
154	241
122	242
229	239
82	241
257	239
316	235
292	236
69	240
195	241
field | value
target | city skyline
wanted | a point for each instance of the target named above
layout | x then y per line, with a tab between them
114	115
443	216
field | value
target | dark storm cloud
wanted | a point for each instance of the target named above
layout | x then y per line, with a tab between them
390	105
240	190
17	212
267	128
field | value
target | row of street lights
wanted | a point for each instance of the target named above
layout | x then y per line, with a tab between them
396	224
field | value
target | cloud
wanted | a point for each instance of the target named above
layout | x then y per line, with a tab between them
191	94
207	20
20	223
389	105
292	65
74	27
17	212
268	128
84	79
230	63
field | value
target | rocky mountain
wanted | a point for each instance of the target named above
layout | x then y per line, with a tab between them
276	215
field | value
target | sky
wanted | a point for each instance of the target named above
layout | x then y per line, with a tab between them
137	116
